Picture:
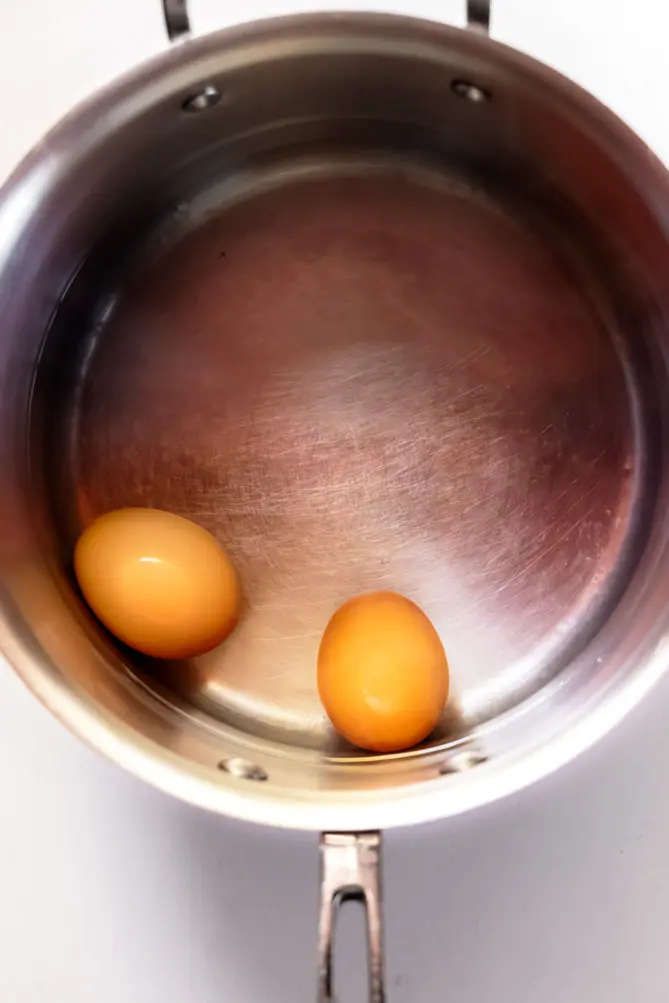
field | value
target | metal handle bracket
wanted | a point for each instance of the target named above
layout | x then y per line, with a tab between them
177	19
350	871
478	16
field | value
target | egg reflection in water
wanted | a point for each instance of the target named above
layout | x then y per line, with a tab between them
160	583
382	672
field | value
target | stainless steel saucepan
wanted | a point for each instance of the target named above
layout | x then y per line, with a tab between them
382	304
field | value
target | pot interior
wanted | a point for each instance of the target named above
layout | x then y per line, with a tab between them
384	311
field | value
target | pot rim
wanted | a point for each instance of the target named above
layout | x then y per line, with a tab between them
442	796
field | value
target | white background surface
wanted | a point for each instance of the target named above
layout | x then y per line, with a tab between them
112	893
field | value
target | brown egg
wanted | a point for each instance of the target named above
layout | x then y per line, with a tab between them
382	672
160	583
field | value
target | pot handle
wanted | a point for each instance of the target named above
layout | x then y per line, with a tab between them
478	15
350	871
177	20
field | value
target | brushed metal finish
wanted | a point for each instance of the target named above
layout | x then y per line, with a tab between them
316	375
371	336
350	872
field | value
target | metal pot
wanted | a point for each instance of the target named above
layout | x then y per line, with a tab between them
381	303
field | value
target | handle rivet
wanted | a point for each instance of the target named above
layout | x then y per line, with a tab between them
470	92
202	99
238	767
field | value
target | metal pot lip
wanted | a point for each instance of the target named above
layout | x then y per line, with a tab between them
428	801
263	803
132	91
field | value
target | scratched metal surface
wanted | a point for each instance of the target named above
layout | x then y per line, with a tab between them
361	383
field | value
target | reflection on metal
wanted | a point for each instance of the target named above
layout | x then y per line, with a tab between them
446	419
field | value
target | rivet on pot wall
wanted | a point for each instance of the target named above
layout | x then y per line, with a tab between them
241	768
203	99
470	92
460	762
